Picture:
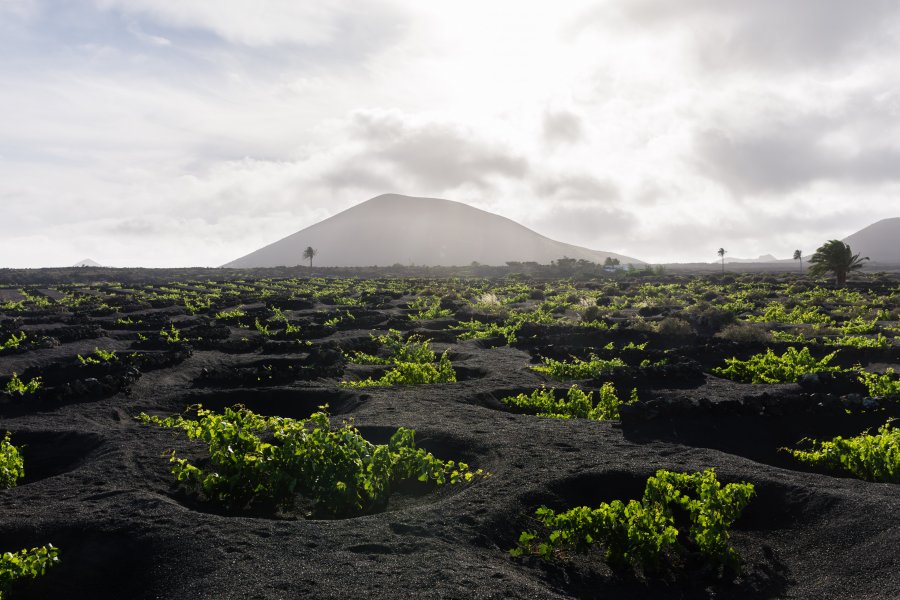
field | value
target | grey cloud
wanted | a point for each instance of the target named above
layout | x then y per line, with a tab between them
769	34
781	161
562	127
591	225
436	155
578	187
138	227
787	158
354	176
649	193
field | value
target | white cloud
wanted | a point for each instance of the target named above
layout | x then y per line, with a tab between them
256	23
22	9
192	132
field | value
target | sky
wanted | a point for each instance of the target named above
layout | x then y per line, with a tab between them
189	133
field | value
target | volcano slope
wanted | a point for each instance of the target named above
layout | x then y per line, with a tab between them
98	484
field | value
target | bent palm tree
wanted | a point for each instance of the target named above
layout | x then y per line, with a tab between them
799	256
721	253
310	253
836	257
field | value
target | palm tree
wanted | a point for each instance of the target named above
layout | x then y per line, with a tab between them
310	253
799	256
836	257
721	254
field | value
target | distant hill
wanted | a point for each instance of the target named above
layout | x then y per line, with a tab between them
87	262
765	258
879	241
391	229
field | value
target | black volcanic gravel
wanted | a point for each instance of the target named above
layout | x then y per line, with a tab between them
99	488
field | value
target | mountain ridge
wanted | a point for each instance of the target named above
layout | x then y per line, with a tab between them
392	228
880	241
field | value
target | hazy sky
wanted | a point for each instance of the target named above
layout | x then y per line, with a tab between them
190	132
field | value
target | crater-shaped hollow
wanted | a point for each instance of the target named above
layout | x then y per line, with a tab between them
405	494
50	453
93	565
295	403
756	437
774	506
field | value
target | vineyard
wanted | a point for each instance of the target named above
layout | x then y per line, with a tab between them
631	436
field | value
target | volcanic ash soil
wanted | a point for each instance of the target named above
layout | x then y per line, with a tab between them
99	486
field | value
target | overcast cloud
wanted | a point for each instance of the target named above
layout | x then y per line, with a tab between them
143	132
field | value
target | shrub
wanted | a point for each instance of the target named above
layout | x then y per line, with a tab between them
866	456
577	403
710	318
12	466
172	335
98	357
278	316
17	385
798	337
413	362
642	325
675	327
744	333
858	325
644	533
476	330
411	373
14	341
413	350
428	308
25	564
231	315
262	328
771	368
579	369
860	341
338	470
338	318
886	385
591	314
777	313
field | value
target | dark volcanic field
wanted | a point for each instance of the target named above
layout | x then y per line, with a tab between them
98	484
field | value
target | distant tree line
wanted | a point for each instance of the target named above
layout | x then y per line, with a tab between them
834	256
572	267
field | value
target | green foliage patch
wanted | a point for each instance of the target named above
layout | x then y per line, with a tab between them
577	404
873	457
644	534
426	307
12	466
777	313
14	341
411	373
577	368
885	385
172	335
860	341
25	564
336	469
17	385
98	357
478	330
771	368
858	325
412	360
